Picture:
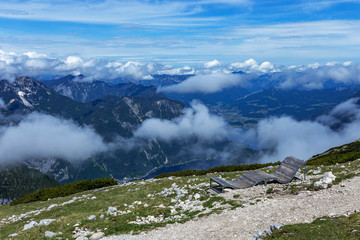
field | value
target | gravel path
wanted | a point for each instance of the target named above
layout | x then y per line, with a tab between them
242	223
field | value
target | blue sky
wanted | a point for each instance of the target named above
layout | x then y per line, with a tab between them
185	32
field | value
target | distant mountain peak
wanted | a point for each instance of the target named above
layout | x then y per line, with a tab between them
83	91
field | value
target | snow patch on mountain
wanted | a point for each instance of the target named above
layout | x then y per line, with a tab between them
22	97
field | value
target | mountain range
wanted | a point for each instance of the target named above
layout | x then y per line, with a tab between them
115	111
80	89
115	119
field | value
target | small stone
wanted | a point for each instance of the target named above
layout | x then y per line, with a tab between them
197	196
102	216
91	217
13	235
30	225
81	238
52	206
97	236
276	226
111	210
50	234
46	221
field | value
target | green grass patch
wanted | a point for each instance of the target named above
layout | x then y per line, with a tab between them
269	190
209	203
340	178
322	228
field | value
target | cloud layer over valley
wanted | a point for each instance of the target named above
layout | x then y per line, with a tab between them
196	121
303	139
283	136
44	136
39	136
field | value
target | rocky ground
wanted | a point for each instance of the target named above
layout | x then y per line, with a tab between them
261	211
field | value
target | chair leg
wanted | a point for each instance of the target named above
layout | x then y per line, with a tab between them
215	189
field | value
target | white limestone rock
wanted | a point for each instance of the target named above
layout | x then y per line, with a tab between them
97	236
111	210
30	225
50	234
46	221
327	179
91	217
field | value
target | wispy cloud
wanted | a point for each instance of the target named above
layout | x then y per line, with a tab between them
282	32
323	4
207	83
111	11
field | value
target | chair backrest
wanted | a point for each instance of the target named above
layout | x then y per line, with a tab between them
289	167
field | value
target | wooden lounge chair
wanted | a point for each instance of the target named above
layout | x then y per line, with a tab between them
284	174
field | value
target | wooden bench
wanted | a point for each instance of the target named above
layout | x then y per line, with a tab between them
284	174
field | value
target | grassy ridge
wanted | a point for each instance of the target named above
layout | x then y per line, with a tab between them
345	153
230	168
66	190
322	228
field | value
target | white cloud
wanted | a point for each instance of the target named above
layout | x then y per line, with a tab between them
266	67
316	76
347	111
251	65
303	139
347	63
206	80
2	103
170	70
208	83
195	122
33	63
37	64
35	55
211	64
44	136
248	64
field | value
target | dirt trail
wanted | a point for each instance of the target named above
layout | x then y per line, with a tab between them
242	223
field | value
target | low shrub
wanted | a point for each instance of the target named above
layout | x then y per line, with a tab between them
332	159
345	153
66	190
